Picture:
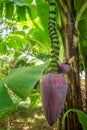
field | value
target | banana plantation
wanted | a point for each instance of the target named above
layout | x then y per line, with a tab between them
43	67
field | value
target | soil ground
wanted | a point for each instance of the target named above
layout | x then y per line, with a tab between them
27	120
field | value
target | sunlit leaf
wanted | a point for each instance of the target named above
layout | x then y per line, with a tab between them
21	80
5	100
16	40
32	10
43	12
39	37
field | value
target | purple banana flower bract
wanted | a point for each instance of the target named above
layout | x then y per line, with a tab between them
64	68
53	93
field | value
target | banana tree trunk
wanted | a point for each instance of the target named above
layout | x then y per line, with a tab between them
70	41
